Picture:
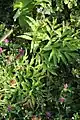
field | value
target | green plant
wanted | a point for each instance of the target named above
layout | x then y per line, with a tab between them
40	63
76	116
55	42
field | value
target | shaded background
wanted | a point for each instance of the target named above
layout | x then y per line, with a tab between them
6	12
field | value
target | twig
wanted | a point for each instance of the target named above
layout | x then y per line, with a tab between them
7	35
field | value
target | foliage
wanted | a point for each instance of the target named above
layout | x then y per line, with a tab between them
56	42
40	61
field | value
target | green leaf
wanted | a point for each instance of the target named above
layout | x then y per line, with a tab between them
50	57
58	55
67	56
18	5
55	59
66	1
48	46
63	58
69	5
52	71
32	46
31	19
17	15
25	37
67	39
58	31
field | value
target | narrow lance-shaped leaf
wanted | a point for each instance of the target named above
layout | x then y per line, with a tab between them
63	59
54	57
51	55
25	37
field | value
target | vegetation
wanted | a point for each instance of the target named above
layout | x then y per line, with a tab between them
40	60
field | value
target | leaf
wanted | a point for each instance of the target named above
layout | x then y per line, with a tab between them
69	5
58	55
57	44
36	45
66	32
25	37
33	100
32	46
18	5
58	31
67	56
28	33
32	60
54	57
66	40
31	19
73	54
50	57
52	71
17	15
22	20
63	58
24	85
21	3
66	1
48	46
